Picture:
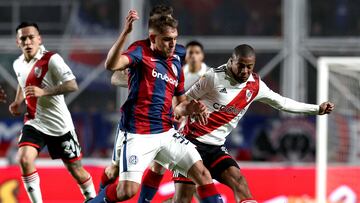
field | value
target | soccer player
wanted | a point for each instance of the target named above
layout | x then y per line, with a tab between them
195	66
2	95
228	91
145	130
43	78
120	78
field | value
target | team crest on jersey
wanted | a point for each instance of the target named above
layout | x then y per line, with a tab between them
133	159
174	69
248	95
37	71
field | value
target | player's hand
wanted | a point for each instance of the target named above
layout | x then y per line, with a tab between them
326	108
2	96
130	18
179	119
196	107
201	118
33	91
14	108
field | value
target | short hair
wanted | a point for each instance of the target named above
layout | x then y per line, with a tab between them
160	23
27	24
161	10
195	43
243	50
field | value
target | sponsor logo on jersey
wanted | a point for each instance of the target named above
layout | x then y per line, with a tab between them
37	71
164	77
227	109
133	159
223	90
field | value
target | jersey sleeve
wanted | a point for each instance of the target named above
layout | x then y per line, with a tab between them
181	52
134	54
202	86
266	95
60	69
180	89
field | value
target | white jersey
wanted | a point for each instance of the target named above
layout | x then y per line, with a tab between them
48	114
191	78
227	101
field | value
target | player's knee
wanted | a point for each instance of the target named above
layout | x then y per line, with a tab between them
126	191
25	160
200	174
112	172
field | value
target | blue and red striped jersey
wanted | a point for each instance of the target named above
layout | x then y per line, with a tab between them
153	81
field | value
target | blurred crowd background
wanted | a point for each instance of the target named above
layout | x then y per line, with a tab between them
83	31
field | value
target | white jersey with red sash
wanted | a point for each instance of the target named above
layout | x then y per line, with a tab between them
227	101
48	114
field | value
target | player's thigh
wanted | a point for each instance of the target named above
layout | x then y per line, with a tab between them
30	143
30	136
136	154
179	153
65	147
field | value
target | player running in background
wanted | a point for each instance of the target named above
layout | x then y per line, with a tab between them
195	66
228	91
2	95
145	130
43	78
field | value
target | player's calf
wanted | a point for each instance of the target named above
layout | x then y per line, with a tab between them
82	177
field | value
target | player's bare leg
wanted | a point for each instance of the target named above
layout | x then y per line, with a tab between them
82	177
206	188
184	192
126	190
233	178
26	158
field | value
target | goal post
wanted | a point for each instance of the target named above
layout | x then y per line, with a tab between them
338	134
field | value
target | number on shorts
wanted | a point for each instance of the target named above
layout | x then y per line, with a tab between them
70	148
181	138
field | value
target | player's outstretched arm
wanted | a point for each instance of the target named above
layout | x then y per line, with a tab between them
114	60
66	87
326	108
2	95
14	107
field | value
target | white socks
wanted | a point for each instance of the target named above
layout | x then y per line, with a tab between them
87	188
32	186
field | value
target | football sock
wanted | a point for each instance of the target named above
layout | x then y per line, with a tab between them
209	194
32	186
87	188
105	180
149	186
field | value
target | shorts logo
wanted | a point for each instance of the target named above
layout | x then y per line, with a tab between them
133	159
37	72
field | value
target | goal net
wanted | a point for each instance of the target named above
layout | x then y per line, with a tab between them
338	134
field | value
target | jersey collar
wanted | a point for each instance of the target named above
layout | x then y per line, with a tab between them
38	54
